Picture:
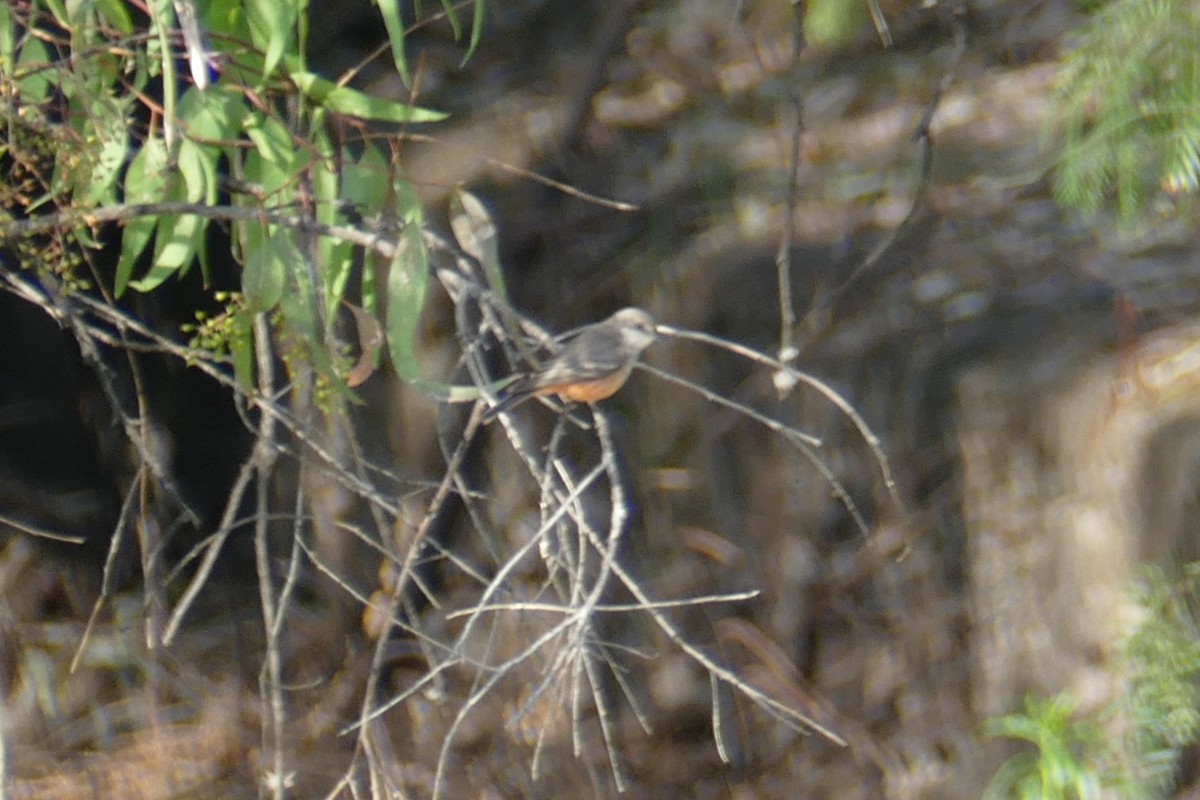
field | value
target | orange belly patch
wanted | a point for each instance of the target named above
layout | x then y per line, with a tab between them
587	391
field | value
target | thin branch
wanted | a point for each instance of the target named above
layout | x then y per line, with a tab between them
263	458
236	492
520	172
924	139
607	608
108	575
823	388
23	286
40	532
783	256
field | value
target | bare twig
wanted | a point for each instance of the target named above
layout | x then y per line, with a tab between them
107	575
823	388
39	531
924	139
263	458
794	114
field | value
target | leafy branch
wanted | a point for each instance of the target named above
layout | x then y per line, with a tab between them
1130	92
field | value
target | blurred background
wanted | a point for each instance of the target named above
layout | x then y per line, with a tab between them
983	214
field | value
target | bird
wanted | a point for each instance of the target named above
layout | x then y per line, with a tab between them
592	366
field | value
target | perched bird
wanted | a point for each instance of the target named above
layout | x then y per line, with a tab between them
591	367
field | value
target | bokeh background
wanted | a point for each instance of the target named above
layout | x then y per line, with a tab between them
1029	371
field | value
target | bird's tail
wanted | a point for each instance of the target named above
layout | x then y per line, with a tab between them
512	395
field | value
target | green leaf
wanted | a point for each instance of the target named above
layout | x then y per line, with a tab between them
408	203
351	102
452	16
241	348
59	10
336	257
476	32
214	114
180	239
277	166
226	19
271	139
145	181
370	291
390	9
107	159
192	168
366	183
8	40
408	276
175	236
271	28
175	245
297	307
35	77
116	14
265	272
134	238
325	177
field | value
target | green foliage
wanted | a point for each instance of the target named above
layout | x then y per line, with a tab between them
1160	711
1059	768
263	120
1164	698
1130	92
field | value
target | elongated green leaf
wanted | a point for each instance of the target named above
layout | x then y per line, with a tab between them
370	290
175	238
366	183
161	270
408	203
241	348
408	276
390	9
116	14
476	32
35	78
300	313
265	272
207	156
175	249
179	240
145	181
325	177
59	10
226	20
351	102
102	186
191	167
278	175
146	178
345	100
271	27
336	257
135	236
270	138
8	40
452	15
